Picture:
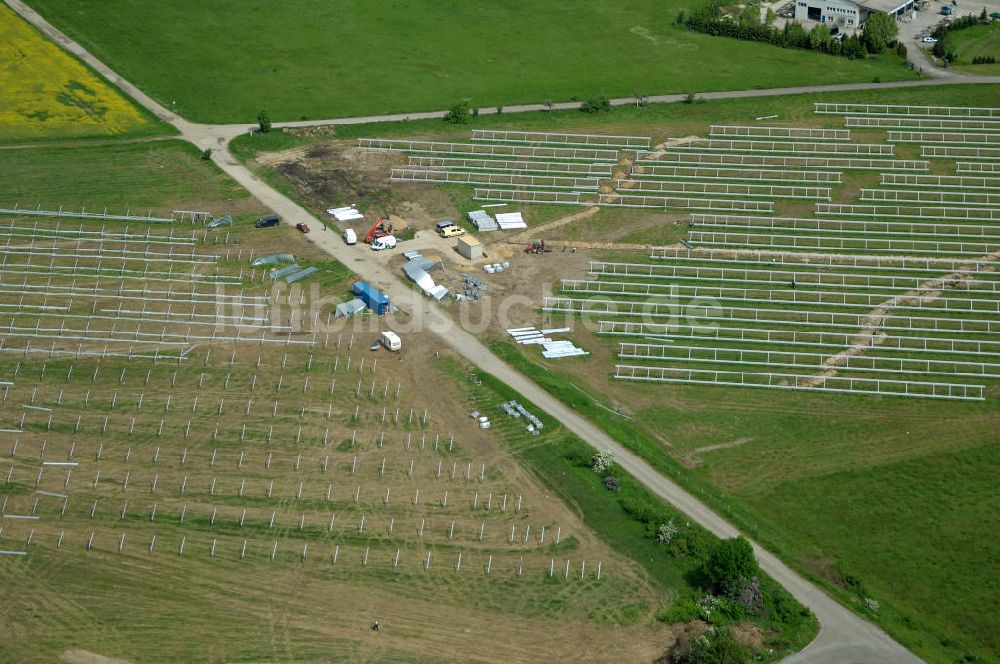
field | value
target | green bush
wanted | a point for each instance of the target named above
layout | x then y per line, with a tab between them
945	50
780	607
579	456
728	611
598	104
264	122
819	36
683	610
728	562
879	31
849	580
641	508
717	647
459	113
680	546
853	48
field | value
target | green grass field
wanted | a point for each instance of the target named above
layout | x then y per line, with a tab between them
158	175
884	491
659	121
300	60
979	40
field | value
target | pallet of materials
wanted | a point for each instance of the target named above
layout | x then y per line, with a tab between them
551	348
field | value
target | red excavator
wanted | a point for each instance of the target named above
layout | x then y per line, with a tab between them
381	228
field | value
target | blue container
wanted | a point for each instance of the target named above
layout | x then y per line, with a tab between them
373	299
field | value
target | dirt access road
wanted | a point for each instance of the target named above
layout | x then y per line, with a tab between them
844	637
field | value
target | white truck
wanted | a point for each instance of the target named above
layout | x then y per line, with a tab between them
350	237
391	340
384	242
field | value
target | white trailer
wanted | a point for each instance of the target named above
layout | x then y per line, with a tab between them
391	340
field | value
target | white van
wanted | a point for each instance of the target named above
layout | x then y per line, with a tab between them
350	237
385	242
391	340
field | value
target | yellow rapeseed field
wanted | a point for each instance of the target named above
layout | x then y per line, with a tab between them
45	93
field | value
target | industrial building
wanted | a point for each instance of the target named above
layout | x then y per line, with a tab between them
848	14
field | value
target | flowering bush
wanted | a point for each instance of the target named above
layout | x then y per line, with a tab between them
747	593
707	604
602	462
666	532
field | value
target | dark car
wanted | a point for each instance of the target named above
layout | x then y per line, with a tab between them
269	220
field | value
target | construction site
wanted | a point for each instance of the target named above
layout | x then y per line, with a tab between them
698	376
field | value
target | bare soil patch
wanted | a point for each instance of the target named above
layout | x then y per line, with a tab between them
693	458
76	656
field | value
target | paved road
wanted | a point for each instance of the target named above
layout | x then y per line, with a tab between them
844	638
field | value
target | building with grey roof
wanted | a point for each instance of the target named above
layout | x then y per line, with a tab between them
846	13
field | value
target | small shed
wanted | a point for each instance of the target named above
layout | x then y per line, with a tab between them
349	308
470	247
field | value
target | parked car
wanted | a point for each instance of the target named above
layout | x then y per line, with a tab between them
268	221
929	40
451	231
302	227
